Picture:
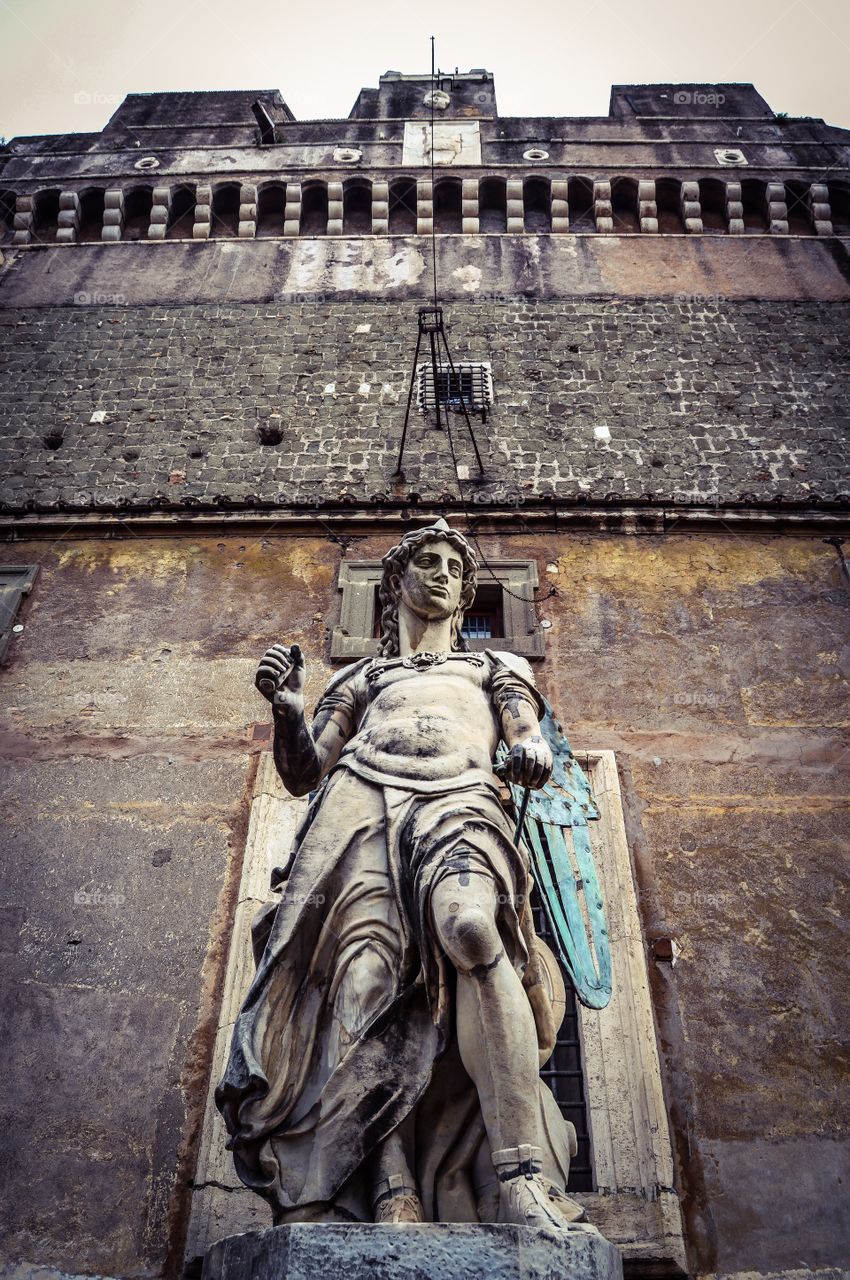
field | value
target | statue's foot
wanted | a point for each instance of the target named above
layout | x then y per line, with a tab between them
527	1198
569	1209
397	1202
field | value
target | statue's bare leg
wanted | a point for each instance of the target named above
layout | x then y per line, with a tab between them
497	1040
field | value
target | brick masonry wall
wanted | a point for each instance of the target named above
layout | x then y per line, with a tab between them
706	401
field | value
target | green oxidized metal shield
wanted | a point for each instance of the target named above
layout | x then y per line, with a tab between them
556	834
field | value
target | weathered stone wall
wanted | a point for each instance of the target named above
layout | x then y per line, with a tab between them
715	666
700	399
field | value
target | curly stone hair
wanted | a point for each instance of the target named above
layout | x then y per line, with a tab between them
395	562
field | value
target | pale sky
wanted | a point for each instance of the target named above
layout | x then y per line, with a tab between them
66	64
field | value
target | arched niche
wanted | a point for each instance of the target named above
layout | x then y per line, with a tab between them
537	205
181	217
314	209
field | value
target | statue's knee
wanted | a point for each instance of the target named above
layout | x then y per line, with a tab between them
470	935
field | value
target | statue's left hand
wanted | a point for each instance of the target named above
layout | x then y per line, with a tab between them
529	763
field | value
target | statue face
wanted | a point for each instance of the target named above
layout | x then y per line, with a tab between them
432	581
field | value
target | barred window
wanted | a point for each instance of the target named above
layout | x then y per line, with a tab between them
469	383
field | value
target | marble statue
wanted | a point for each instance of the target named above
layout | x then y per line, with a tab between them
384	1066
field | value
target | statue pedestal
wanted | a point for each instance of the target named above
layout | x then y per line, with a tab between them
413	1251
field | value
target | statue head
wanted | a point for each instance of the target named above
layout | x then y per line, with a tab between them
395	562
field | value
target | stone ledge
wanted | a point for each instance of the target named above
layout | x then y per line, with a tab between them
413	1251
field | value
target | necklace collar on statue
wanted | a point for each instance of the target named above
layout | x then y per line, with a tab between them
420	662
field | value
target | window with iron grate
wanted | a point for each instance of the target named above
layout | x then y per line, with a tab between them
469	383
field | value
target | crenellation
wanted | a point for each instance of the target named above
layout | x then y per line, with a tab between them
620	203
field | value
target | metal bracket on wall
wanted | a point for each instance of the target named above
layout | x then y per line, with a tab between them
431	325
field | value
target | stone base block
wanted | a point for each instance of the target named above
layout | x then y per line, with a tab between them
413	1251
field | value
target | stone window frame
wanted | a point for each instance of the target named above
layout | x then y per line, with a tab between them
354	638
634	1203
16	581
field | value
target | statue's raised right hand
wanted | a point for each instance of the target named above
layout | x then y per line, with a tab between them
280	677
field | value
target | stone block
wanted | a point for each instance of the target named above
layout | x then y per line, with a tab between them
413	1251
247	229
113	199
68	200
380	217
469	206
110	235
560	205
